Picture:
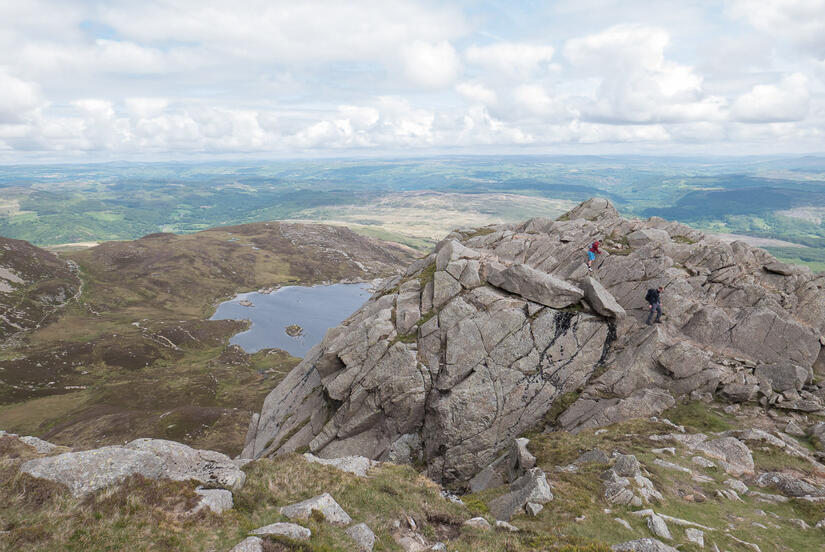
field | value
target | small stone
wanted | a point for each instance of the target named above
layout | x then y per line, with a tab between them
249	544
737	485
696	536
363	536
478	523
623	523
333	513
506	526
799	523
533	509
289	530
702	462
658	527
626	465
217	500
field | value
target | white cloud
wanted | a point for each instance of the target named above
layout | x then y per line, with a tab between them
202	76
800	21
769	103
146	108
535	100
17	98
638	84
477	93
518	60
430	65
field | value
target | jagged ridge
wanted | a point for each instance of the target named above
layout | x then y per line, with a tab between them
477	342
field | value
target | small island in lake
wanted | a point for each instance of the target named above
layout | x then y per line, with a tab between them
246	303
294	330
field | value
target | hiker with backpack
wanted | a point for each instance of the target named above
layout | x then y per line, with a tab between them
591	254
654	299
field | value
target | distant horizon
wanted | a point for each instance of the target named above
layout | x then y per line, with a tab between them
397	157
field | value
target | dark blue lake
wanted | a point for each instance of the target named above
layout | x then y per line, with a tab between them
316	309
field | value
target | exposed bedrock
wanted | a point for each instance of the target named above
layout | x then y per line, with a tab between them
478	341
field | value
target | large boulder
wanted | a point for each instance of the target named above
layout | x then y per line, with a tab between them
784	376
601	300
183	463
90	470
535	285
87	471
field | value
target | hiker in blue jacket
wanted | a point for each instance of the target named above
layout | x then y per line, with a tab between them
654	299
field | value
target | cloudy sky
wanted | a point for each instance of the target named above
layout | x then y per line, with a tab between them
157	79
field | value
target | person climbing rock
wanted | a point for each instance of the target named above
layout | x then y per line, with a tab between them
591	254
654	299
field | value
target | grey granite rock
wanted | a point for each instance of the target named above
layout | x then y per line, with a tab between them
333	513
216	500
88	471
249	544
363	536
183	463
289	530
643	545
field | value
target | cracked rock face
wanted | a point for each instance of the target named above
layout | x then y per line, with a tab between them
478	340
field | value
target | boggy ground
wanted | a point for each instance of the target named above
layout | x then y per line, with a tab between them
154	515
134	356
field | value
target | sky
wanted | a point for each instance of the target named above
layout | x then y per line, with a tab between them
84	80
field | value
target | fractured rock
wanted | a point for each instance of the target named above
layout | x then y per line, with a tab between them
784	377
537	286
600	299
182	463
531	487
788	485
733	455
520	458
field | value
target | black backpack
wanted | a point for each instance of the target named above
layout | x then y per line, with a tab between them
651	296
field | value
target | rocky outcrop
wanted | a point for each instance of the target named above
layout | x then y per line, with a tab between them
90	470
477	341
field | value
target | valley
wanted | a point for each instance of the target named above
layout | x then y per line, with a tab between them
135	355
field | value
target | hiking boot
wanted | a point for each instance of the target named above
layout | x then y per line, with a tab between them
658	321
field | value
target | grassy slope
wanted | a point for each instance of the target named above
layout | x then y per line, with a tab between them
151	515
135	357
147	515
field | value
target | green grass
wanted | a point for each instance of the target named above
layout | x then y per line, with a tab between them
144	515
699	417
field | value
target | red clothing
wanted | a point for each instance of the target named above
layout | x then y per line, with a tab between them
595	248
